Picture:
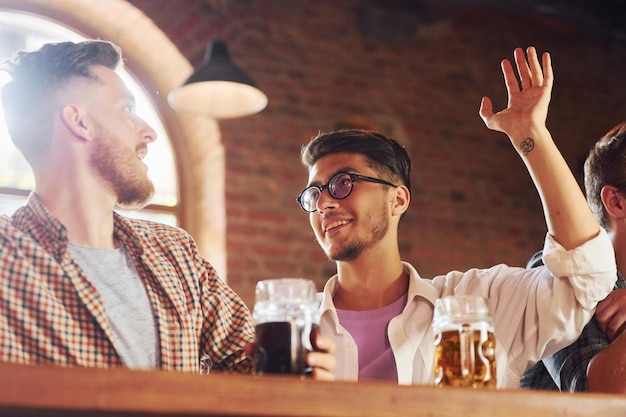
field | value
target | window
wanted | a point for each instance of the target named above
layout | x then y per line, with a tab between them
22	31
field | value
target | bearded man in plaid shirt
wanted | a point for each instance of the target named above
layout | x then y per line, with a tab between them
81	285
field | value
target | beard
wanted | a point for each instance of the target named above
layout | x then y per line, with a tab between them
121	170
377	225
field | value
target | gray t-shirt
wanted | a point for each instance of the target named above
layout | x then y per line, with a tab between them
126	302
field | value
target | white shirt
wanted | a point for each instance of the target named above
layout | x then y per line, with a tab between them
536	311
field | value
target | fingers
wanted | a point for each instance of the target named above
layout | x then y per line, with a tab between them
324	344
610	304
323	364
523	69
606	326
250	349
529	69
604	314
612	327
486	109
512	86
322	360
611	314
322	375
618	331
486	113
536	73
548	75
528	97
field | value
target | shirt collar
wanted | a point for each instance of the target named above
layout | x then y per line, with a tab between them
418	288
35	220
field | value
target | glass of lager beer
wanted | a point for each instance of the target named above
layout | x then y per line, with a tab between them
286	316
465	345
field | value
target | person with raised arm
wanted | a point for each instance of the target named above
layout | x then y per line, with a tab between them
378	309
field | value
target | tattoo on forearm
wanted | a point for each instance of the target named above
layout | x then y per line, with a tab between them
527	146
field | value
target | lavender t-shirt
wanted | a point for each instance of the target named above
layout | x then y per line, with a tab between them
369	331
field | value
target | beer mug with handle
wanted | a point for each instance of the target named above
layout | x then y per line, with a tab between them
285	315
465	344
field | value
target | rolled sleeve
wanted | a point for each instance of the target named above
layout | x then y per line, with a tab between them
590	267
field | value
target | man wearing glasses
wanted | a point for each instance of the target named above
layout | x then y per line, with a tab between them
379	311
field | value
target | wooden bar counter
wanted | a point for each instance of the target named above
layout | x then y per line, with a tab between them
56	391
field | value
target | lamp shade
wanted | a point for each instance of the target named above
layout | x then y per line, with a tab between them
218	88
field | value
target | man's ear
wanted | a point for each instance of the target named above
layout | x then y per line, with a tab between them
402	198
75	120
613	201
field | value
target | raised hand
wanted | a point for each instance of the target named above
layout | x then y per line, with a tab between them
568	217
528	98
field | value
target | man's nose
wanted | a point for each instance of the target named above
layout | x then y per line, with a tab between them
325	201
148	133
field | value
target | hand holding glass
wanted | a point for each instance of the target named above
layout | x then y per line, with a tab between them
286	313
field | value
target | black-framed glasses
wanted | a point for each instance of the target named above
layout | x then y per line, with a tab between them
339	187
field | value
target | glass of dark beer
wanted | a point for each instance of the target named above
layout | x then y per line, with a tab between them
286	315
465	344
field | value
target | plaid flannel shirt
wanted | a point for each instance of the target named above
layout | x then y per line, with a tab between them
51	313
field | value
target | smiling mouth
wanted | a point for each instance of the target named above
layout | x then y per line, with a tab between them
142	154
335	224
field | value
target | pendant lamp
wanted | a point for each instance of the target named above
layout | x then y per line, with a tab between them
218	88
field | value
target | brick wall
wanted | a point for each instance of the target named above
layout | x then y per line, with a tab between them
473	203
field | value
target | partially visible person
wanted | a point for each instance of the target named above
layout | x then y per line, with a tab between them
597	360
81	285
379	311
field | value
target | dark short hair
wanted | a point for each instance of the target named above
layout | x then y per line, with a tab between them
35	79
385	155
606	165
